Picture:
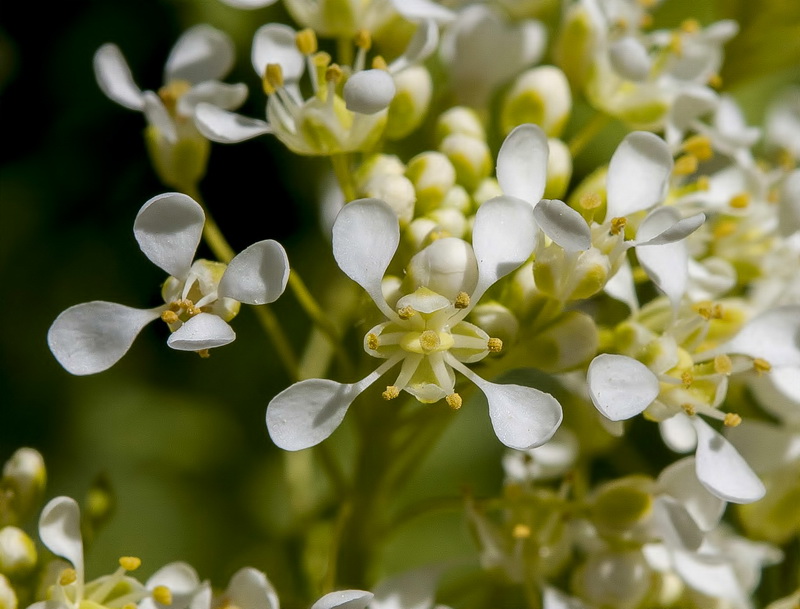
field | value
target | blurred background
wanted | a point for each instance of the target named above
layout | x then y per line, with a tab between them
179	441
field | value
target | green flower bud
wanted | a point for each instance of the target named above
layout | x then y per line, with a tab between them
450	221
178	164
459	119
621	505
575	46
8	599
17	552
459	199
570	341
433	175
540	96
497	321
559	169
22	486
419	232
471	158
412	99
487	189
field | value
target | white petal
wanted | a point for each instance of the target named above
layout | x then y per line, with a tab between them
249	4
621	286
250	588
168	229
691	103
675	524
713	576
417	10
225	127
503	237
773	336
203	331
789	211
414	589
555	599
669	227
91	337
620	387
365	237
220	94
422	45
344	599
522	163
201	53
257	275
369	91
678	433
721	469
275	43
666	264
680	480
180	578
563	225
629	58
158	117
638	174
115	78
60	530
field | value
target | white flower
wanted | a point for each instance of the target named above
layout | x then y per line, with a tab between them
427	334
200	297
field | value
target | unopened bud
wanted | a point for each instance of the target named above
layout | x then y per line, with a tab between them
459	119
433	175
24	479
540	96
471	158
412	99
17	552
559	169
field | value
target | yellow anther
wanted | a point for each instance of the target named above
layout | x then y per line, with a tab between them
130	563
306	41
169	317
363	40
690	26
618	225
591	200
785	159
715	81
461	301
454	401
391	393
723	364
273	78
163	595
687	378
333	73
708	310
703	183
321	59
495	345
204	353
406	312
740	201
732	419
429	340
685	165
689	409
192	310
372	341
172	92
761	365
699	146
621	23
379	63
67	577
725	228
521	531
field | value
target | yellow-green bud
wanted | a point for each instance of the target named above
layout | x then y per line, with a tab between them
17	552
570	341
24	479
8	598
433	175
560	278
411	101
458	198
419	231
487	189
541	96
622	504
471	158
450	220
497	321
397	191
459	119
559	169
178	164
575	47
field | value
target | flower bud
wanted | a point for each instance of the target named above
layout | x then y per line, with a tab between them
8	598
411	101
179	164
471	158
613	579
497	321
575	47
458	198
447	266
397	191
459	119
622	504
451	221
419	230
559	169
570	341
487	189
565	279
433	175
540	96
17	552
24	479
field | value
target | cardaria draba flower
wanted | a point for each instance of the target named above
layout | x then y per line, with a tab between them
427	333
200	296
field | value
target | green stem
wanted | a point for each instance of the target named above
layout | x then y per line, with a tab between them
341	167
587	133
344	51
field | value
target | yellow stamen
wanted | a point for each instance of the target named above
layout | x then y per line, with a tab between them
163	595
129	606
406	312
521	531
723	364
429	341
740	201
363	40
322	59
306	41
462	300
454	401
715	81
689	409
379	63
372	341
685	165
495	345
646	21
591	200
273	78
687	378
67	577
676	44
732	419
334	73
725	229
703	183
172	92
204	353
130	563
618	225
391	393
690	26
699	146
761	365
169	317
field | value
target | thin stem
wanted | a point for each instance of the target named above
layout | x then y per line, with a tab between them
587	133
344	51
341	167
342	517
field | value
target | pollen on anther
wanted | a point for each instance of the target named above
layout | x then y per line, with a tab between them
495	345
306	41
618	225
169	317
67	577
130	563
732	419
723	364
521	531
372	341
454	401
163	595
687	378
406	312
699	146
685	165
740	201
461	301
689	409
690	26
391	392
715	81
761	365
333	73
273	78
363	40
379	63
204	353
